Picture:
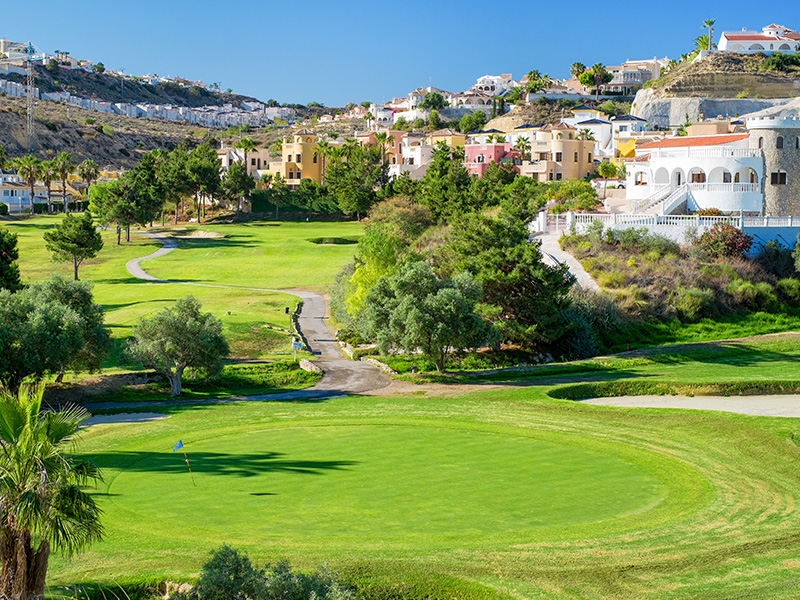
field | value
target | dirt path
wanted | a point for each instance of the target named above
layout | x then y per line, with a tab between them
341	376
553	254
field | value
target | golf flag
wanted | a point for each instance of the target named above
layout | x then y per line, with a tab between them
177	446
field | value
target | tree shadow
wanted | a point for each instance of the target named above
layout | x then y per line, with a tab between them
715	353
216	463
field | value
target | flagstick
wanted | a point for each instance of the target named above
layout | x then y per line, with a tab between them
190	467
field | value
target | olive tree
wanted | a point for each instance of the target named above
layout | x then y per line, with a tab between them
179	337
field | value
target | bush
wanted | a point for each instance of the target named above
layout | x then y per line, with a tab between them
753	296
724	240
229	575
709	212
776	259
3	209
790	289
694	303
90	120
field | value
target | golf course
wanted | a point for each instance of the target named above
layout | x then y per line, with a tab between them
496	486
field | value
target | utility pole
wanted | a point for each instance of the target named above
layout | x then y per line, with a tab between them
31	99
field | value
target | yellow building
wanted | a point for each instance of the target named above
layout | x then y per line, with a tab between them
450	137
557	154
299	160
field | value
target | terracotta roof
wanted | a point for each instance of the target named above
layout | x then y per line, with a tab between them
698	140
445	132
562	125
746	36
642	158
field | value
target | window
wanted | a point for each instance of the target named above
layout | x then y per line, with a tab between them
797	143
299	175
778	178
589	157
559	157
550	176
288	158
558	176
314	159
698	177
779	142
299	158
726	177
576	157
623	128
761	142
252	162
638	179
291	174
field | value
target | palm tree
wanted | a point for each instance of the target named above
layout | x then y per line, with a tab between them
348	146
246	145
28	169
500	139
585	134
42	504
576	69
48	174
382	140
88	171
3	156
524	146
710	24
321	151
64	165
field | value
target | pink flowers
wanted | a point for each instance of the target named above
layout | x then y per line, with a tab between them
724	240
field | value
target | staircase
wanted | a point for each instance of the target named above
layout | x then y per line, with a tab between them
654	198
668	204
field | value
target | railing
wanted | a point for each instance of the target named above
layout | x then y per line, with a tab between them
729	188
662	191
707	153
624	221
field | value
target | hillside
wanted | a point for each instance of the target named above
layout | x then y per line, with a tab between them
103	86
728	75
549	111
116	141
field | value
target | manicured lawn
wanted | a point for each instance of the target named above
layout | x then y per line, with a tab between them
267	255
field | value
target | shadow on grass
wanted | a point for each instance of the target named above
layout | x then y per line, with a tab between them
216	463
229	241
727	353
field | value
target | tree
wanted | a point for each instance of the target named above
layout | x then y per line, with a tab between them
177	338
88	171
600	77
478	119
237	184
111	202
796	253
3	156
416	310
38	335
64	165
28	170
99	68
9	270
576	69
465	125
48	174
585	134
42	502
524	146
524	296
204	168
434	120
175	178
710	40
432	101
246	145
382	140
606	170
322	151
74	238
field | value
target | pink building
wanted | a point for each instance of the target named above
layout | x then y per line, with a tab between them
478	157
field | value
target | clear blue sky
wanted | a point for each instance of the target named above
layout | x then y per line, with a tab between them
339	52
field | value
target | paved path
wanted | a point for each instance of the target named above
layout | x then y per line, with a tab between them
341	376
553	254
787	405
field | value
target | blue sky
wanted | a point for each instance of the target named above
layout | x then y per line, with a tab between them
338	52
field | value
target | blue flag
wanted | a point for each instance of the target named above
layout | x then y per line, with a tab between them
177	446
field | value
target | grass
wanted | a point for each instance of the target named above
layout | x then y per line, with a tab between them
235	380
265	255
498	494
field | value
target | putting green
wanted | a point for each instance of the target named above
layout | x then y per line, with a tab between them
348	485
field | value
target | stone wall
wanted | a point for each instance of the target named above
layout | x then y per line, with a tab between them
779	200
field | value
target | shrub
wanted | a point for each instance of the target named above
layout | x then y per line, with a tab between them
776	259
709	212
614	279
724	240
789	288
694	303
753	295
3	209
90	120
630	239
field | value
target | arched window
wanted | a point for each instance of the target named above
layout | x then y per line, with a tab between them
726	177
779	142
638	179
761	142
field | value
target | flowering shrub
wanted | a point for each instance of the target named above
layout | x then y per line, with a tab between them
709	212
724	240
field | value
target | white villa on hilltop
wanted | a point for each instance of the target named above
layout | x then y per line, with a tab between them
772	38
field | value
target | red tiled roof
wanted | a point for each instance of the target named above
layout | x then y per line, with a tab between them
697	140
745	36
642	158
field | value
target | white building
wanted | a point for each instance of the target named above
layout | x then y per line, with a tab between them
685	174
495	85
772	38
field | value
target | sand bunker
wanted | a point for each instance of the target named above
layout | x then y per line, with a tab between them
199	233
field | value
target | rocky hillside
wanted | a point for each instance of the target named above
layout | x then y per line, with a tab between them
723	84
549	111
728	75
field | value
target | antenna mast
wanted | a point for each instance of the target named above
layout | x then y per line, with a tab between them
31	99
